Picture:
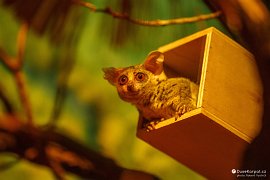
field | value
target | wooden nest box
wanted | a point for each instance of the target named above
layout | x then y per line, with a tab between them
212	138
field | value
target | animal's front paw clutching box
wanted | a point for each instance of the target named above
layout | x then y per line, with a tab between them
210	138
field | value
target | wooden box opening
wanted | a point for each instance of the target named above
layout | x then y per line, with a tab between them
211	138
186	60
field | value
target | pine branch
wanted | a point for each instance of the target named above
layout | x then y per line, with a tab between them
157	22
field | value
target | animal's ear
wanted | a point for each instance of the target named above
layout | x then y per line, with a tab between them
154	62
111	74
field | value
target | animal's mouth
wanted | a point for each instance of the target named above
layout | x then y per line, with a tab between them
129	90
130	95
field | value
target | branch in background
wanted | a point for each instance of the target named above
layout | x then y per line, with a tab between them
21	41
14	65
44	17
9	62
61	153
21	87
157	22
6	102
19	75
66	64
61	90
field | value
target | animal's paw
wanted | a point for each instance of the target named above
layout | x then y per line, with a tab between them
182	110
149	126
177	116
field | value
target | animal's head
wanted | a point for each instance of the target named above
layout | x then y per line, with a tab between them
132	81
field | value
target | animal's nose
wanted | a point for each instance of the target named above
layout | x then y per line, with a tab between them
130	87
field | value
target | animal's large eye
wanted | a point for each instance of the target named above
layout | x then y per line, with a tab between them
123	80
140	76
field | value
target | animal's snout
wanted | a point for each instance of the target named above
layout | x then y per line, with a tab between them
130	87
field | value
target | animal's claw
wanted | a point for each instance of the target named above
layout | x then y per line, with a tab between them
151	125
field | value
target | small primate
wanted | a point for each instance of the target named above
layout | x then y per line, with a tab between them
155	96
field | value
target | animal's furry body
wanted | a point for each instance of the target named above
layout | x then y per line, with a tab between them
147	87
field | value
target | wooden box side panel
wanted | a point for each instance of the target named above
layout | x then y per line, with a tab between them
232	89
199	143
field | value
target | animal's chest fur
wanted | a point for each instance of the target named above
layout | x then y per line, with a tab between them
165	99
